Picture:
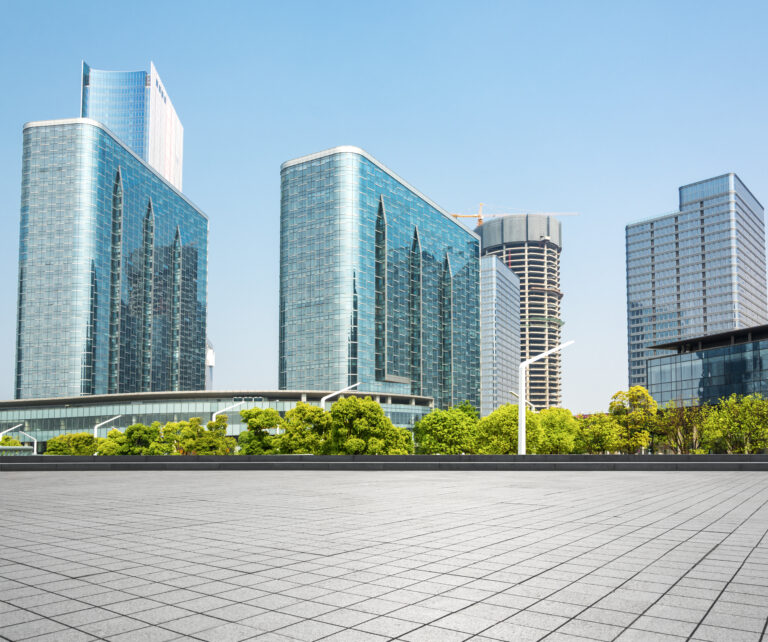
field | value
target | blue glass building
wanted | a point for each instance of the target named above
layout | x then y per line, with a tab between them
697	271
112	270
499	334
135	106
706	369
378	285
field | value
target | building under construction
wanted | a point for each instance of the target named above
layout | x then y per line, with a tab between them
530	246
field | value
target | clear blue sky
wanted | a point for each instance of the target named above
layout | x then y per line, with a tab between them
604	108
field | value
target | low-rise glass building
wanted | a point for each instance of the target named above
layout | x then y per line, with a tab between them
378	285
706	369
47	418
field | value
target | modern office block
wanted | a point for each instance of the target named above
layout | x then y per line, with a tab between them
136	108
378	285
530	246
499	334
697	271
706	369
112	270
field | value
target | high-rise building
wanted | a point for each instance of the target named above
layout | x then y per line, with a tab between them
530	246
378	285
697	271
499	334
136	108
112	269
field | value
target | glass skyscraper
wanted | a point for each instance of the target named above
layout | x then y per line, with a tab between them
499	334
136	108
378	285
695	272
112	270
530	246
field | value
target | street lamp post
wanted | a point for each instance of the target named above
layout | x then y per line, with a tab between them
338	392
521	396
16	427
97	426
530	405
218	412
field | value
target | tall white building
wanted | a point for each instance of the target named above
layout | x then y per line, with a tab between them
530	246
499	334
135	106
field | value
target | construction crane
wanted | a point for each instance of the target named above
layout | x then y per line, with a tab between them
480	217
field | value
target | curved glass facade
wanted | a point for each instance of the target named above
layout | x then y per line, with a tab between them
368	270
112	270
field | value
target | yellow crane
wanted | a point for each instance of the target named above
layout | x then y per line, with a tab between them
480	217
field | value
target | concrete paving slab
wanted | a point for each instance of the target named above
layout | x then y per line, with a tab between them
383	555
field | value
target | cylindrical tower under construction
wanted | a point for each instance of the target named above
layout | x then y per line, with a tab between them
530	246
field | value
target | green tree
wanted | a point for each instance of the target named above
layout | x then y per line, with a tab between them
7	440
598	434
497	433
360	427
635	410
679	427
112	444
737	425
304	430
257	440
558	431
139	439
447	432
77	443
192	438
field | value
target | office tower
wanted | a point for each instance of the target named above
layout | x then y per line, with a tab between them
530	246
112	270
697	271
136	108
378	285
499	334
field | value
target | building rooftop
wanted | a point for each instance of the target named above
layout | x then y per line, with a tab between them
133	397
706	342
351	149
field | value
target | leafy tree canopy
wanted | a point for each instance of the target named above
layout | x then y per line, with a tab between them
737	425
557	433
7	440
447	432
257	440
598	434
73	443
497	433
305	429
360	427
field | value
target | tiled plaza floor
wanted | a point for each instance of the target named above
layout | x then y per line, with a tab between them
359	556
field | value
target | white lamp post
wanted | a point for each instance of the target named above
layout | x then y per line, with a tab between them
97	426
218	412
16	427
338	392
530	405
521	396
